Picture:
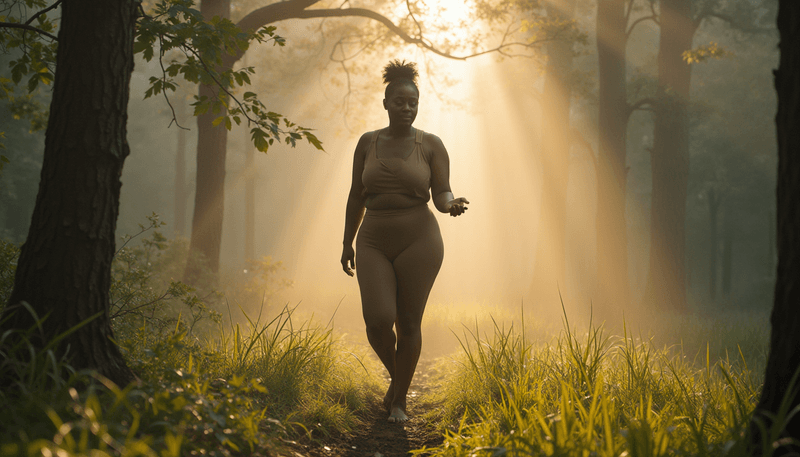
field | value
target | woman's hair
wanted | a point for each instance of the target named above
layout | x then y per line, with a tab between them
398	72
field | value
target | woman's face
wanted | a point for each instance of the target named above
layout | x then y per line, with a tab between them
401	105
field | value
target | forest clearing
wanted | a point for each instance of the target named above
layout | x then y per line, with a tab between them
283	384
212	243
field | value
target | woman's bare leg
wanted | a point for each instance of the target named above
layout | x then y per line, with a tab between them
376	278
416	269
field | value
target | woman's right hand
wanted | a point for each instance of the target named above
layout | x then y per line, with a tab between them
348	260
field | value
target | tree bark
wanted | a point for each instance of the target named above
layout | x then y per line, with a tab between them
612	291
550	268
212	150
249	204
666	279
180	173
64	268
727	256
713	244
783	362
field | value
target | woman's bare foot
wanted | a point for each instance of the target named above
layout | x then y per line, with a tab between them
389	397
397	415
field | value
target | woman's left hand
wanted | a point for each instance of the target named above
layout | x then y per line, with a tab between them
457	206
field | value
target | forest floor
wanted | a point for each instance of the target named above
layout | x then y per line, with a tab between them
379	438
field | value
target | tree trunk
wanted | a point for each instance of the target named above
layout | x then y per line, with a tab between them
713	243
249	204
180	173
549	270
209	199
612	291
64	268
784	359
727	257
666	279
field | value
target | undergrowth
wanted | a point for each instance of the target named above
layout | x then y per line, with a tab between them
212	380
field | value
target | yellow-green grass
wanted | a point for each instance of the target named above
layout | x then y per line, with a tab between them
688	388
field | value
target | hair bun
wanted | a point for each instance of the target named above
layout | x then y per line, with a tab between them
400	70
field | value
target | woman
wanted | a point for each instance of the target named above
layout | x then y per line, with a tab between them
395	172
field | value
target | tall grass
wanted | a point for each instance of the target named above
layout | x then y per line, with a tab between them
591	393
239	393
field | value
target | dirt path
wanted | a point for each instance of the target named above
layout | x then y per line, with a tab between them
379	438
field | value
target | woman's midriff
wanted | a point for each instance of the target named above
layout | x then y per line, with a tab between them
392	201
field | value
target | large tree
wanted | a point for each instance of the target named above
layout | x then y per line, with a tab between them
64	268
783	364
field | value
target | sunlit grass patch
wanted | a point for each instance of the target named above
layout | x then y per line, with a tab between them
592	393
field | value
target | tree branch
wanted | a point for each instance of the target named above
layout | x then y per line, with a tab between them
295	9
628	10
369	14
638	21
414	18
642	102
51	7
17	25
738	25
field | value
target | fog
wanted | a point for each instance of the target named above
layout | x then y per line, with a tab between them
488	112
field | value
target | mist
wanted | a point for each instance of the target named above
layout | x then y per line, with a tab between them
488	112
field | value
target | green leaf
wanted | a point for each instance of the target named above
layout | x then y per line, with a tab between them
313	140
218	121
259	138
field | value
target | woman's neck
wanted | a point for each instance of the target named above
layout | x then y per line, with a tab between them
400	131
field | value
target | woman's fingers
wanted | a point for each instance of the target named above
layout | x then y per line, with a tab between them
348	265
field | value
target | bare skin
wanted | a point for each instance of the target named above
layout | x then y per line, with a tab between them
393	322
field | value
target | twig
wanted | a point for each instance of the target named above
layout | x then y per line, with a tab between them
638	21
414	18
17	25
164	81
53	6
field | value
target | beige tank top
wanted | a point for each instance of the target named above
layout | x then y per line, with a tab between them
410	175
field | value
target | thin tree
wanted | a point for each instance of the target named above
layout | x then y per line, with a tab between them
550	267
612	288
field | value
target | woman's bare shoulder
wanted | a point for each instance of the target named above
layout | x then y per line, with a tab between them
364	141
433	143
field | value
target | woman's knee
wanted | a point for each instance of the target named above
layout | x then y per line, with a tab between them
379	328
408	329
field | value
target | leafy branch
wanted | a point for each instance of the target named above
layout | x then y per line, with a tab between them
207	49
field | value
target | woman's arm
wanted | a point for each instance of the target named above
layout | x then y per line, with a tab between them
443	198
354	211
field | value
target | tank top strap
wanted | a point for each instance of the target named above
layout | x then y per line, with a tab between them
418	139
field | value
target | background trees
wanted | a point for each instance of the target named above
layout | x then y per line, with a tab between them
562	124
